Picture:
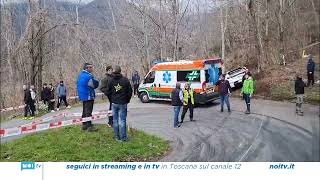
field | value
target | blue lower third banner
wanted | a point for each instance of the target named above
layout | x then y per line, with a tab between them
156	170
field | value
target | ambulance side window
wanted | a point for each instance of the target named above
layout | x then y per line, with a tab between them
150	78
188	76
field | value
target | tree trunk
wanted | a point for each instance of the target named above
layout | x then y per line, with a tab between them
40	55
254	28
176	13
115	26
146	38
222	35
316	13
160	29
281	32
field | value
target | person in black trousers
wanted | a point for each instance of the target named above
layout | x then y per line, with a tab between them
51	100
28	103
310	69
104	86
45	94
188	101
62	95
135	81
86	86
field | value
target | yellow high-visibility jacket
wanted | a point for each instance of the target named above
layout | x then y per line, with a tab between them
185	97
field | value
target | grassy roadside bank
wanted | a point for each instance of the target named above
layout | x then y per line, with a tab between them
72	144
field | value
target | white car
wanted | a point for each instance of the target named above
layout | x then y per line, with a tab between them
235	76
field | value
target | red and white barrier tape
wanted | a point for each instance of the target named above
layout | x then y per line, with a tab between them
50	118
22	106
45	126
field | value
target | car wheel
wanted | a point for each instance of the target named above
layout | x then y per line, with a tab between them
144	97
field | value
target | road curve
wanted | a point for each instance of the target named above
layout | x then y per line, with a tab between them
216	136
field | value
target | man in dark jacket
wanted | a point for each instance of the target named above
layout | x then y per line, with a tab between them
224	91
176	102
51	100
45	94
28	103
135	82
120	91
104	87
299	91
310	70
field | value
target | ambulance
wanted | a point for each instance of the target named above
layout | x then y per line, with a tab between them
162	78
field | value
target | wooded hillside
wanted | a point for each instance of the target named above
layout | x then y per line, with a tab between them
49	40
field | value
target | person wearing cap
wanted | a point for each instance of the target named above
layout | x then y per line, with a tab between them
120	91
104	87
247	91
310	70
188	101
299	91
86	86
224	91
62	95
176	102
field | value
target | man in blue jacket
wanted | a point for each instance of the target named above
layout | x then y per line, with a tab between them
310	69
85	86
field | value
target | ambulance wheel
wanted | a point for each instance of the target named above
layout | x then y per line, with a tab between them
144	97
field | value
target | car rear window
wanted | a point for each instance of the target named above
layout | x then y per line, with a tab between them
236	71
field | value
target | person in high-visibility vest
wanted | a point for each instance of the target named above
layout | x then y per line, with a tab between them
188	101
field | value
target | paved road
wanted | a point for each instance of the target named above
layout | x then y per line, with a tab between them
272	133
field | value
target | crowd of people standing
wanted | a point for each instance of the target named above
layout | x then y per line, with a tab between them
119	90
